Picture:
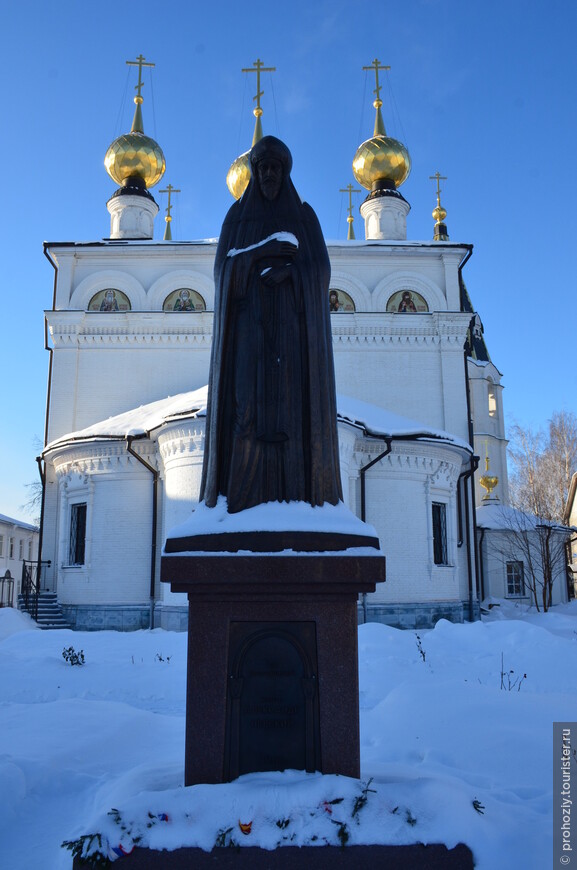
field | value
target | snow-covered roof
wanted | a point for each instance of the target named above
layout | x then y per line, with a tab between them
502	517
139	422
12	522
332	243
142	420
379	422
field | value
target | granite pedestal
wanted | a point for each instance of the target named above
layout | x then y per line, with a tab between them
272	659
435	856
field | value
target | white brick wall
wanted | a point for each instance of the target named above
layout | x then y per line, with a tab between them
105	364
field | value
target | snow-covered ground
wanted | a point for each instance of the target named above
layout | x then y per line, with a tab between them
452	756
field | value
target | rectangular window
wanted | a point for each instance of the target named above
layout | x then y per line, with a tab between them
20	549
440	533
515	579
77	533
30	550
11	548
1	545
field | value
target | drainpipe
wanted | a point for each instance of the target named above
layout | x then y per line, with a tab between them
481	567
41	468
154	472
363	471
467	476
42	473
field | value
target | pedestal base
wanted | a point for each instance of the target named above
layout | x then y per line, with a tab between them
416	857
272	661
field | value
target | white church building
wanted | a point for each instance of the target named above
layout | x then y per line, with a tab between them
130	331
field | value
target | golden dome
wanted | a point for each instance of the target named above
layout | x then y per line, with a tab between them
135	154
238	176
381	158
489	483
439	213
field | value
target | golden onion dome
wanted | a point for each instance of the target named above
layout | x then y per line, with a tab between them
238	176
381	158
135	154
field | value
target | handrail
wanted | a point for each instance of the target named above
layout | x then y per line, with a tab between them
31	585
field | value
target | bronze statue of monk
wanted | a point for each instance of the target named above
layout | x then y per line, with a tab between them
271	432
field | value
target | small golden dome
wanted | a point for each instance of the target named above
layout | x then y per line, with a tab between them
135	154
439	213
381	158
489	483
238	176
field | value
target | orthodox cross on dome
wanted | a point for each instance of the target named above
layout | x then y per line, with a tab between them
139	62
137	126
350	190
258	67
379	124
438	177
439	213
169	190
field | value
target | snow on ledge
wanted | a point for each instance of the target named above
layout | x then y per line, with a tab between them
274	516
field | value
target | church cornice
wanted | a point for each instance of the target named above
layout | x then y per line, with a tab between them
79	328
101	457
376	247
176	440
425	330
420	455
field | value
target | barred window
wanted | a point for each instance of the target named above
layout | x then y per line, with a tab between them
440	533
77	533
515	579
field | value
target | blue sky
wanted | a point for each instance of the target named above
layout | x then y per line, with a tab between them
484	93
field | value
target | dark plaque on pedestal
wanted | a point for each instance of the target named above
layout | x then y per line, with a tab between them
272	720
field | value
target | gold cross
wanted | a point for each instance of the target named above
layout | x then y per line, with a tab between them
139	62
376	65
169	190
439	178
350	190
258	64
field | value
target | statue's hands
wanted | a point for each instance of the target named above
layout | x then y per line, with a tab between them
282	254
277	248
276	275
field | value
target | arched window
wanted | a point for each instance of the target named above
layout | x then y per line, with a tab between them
339	301
492	398
184	299
407	302
109	300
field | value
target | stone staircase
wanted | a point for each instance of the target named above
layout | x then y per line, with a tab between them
49	611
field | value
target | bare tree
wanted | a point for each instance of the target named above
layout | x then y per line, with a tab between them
542	465
33	504
539	545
